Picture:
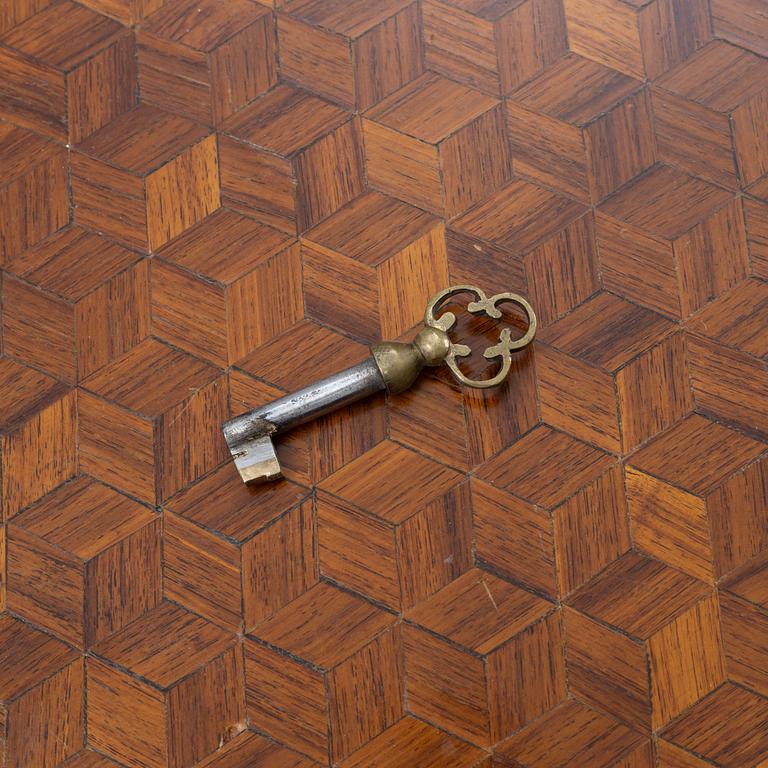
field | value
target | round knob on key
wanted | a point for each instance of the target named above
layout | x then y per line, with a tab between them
394	366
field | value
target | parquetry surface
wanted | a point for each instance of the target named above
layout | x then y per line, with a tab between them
207	203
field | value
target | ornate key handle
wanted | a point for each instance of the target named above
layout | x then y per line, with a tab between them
489	307
400	364
393	366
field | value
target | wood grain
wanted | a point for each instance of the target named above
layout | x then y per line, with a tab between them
163	185
727	384
187	697
293	159
673	655
38	436
519	216
741	23
71	328
249	750
203	278
427	745
736	319
207	205
559	375
125	11
708	527
89	759
361	669
734	91
524	466
641	374
3	563
697	454
397	264
220	57
744	637
591	529
637	38
687	224
701	729
513	537
87	63
461	45
245	542
580	735
41	697
158	414
670	523
493	46
351	53
417	419
429	525
495	418
569	254
600	143
677	117
749	581
19	10
671	756
93	564
497	628
438	149
287	699
35	178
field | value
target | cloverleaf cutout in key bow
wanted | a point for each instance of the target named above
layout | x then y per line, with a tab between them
488	306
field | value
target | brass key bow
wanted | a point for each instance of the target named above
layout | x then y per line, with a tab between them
393	366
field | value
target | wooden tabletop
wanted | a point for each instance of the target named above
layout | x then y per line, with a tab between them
205	204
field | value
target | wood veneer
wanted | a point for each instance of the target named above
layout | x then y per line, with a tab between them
205	205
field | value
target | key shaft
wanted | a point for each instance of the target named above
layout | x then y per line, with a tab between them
309	403
393	367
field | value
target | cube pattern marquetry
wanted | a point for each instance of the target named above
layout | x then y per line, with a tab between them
208	204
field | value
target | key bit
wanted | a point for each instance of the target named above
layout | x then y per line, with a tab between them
393	366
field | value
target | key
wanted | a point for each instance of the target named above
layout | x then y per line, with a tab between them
393	366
